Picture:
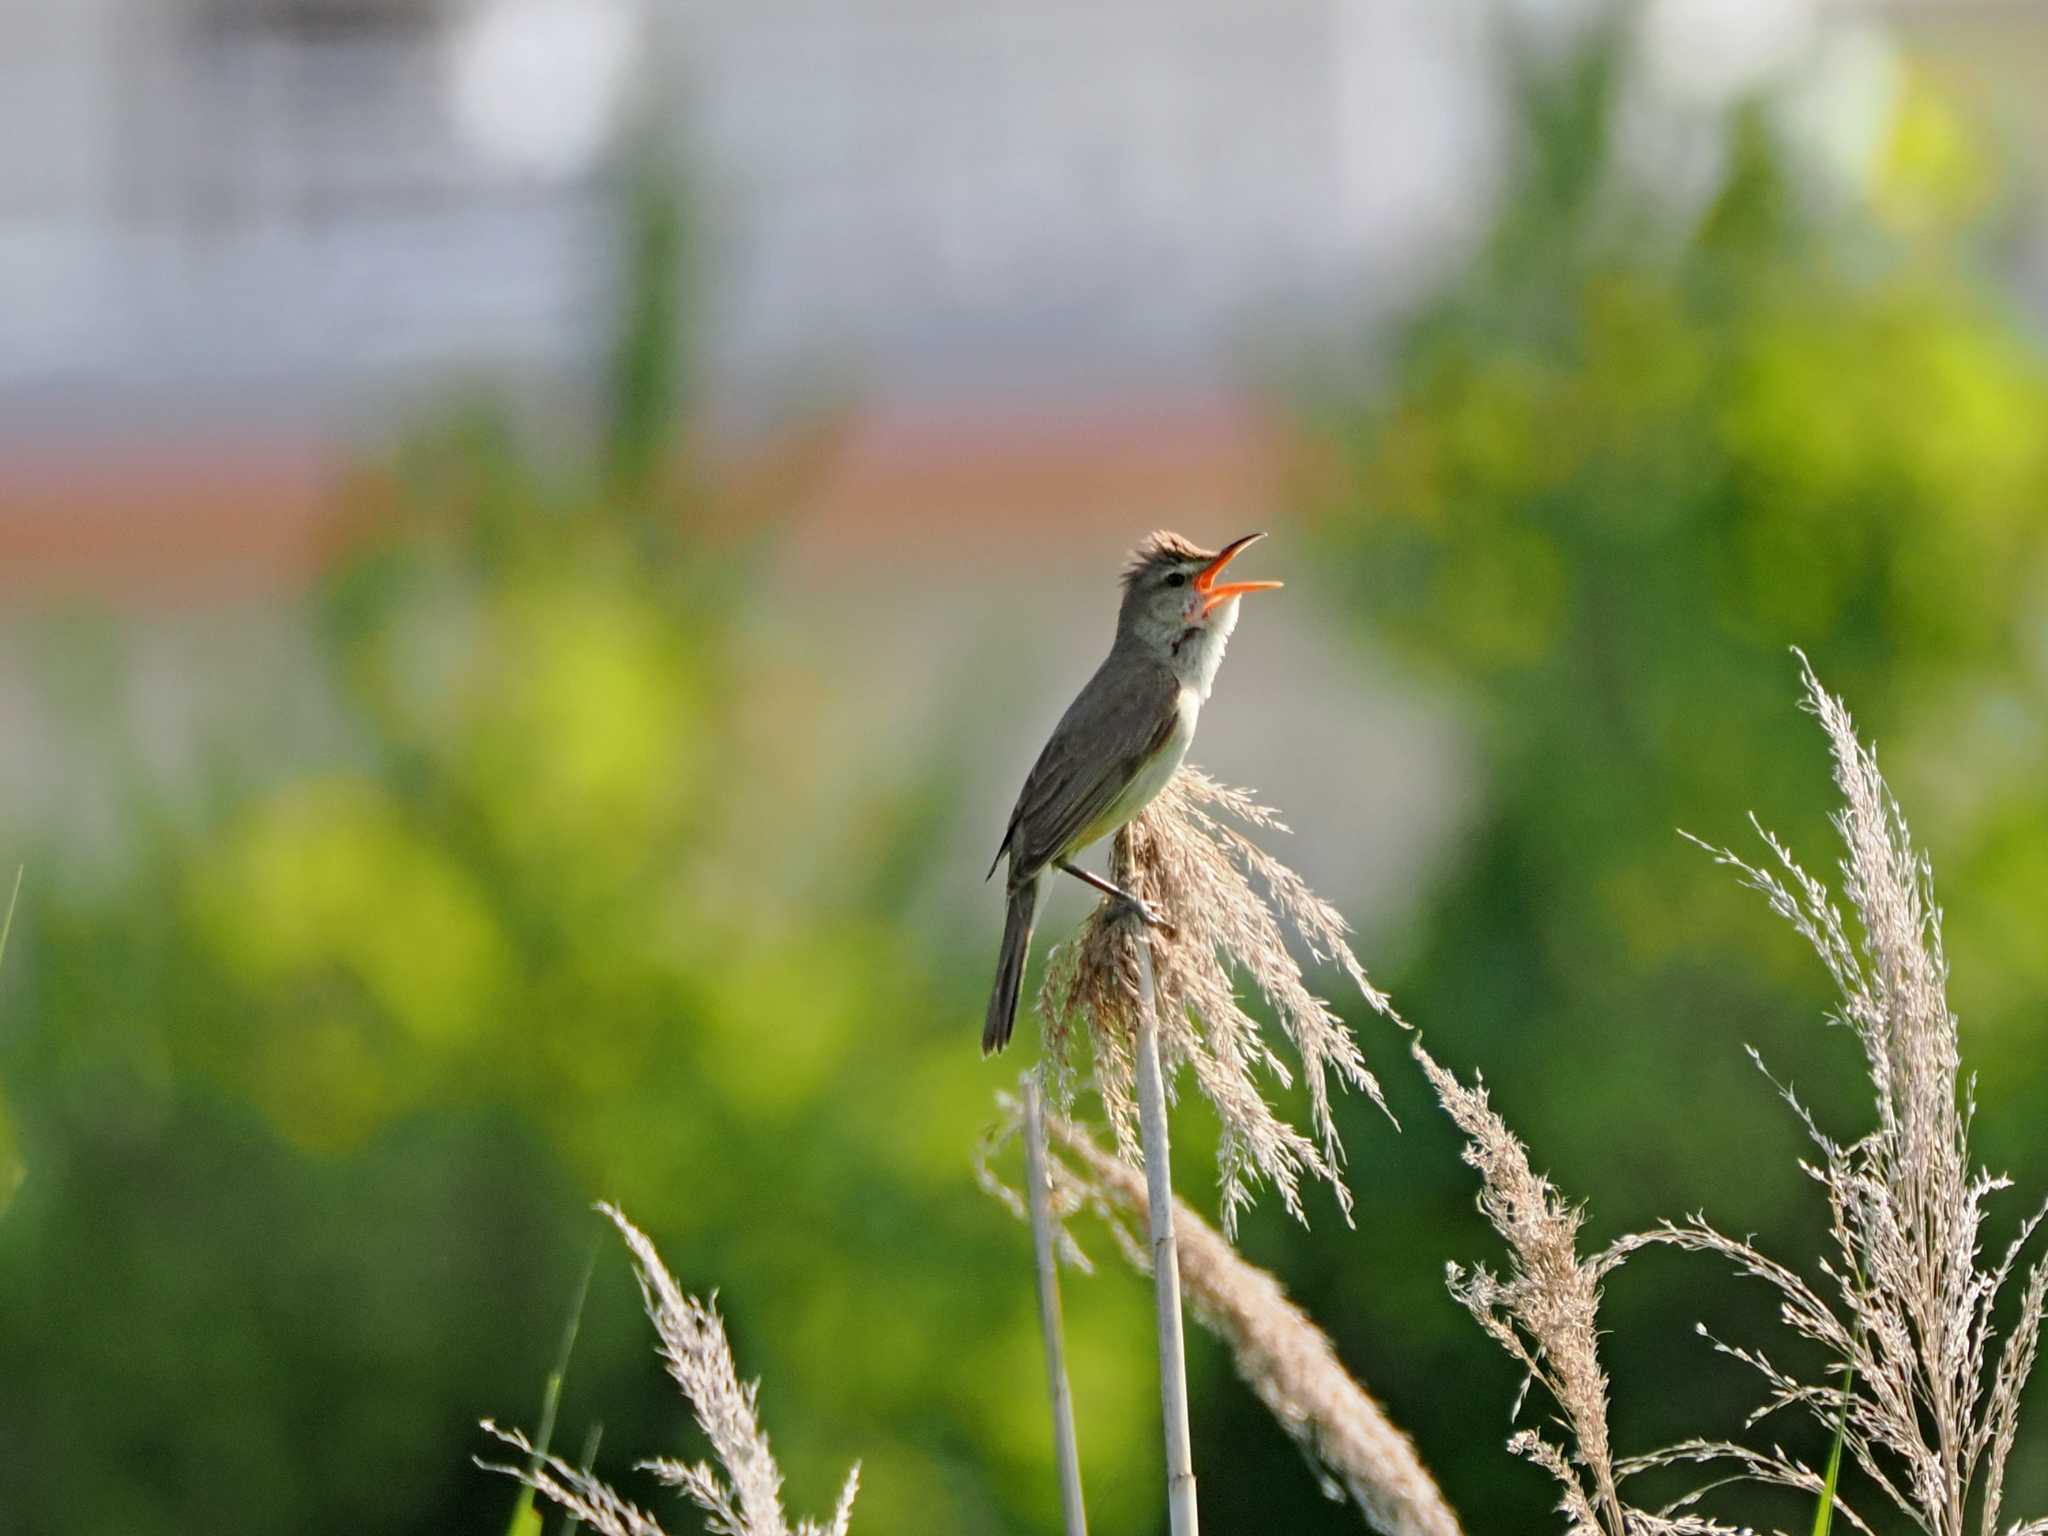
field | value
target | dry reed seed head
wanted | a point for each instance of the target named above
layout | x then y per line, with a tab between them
1230	907
1905	1304
1545	1311
1932	1416
742	1494
576	1492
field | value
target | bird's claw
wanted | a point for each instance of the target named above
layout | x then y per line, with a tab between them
1135	909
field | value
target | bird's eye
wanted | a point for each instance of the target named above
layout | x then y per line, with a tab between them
1177	579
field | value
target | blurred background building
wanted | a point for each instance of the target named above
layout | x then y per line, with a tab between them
271	211
263	216
422	846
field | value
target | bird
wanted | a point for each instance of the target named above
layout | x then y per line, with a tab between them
1121	739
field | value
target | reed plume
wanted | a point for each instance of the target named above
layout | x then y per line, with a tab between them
1544	1310
1903	1304
742	1494
1185	858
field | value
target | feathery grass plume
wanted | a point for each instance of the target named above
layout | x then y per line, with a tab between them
1904	1303
1904	1310
1544	1311
1202	876
747	1499
1287	1361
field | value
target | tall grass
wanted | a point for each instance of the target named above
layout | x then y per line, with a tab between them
742	1494
525	1519
1154	998
1917	1390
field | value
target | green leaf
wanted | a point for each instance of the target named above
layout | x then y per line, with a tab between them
7	923
526	1520
570	1524
1824	1517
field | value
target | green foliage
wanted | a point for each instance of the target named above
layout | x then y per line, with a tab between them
1824	1511
526	1520
327	1081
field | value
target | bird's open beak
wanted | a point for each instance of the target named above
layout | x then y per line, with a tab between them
1205	580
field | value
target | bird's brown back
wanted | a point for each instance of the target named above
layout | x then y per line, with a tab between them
1127	713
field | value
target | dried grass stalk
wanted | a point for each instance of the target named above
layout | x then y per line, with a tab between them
1066	1449
1205	878
1903	1302
1286	1360
742	1494
1183	1518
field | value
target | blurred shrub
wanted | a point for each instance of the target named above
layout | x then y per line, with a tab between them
320	1090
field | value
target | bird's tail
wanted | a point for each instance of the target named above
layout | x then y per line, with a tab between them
1002	1002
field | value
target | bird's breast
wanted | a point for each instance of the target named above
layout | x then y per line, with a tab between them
1157	771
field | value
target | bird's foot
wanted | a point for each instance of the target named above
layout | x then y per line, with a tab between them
1126	908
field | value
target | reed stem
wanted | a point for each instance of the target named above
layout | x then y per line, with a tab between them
1065	1449
1173	1368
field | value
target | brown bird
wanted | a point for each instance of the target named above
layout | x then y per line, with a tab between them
1120	740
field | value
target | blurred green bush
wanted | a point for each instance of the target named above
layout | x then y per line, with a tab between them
317	1095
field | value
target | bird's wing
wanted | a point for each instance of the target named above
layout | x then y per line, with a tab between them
1125	715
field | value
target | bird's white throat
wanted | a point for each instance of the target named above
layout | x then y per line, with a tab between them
1199	651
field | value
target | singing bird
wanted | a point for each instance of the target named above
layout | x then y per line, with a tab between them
1120	740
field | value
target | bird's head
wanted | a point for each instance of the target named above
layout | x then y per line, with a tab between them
1174	594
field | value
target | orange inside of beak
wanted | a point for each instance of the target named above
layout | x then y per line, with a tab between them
1205	580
